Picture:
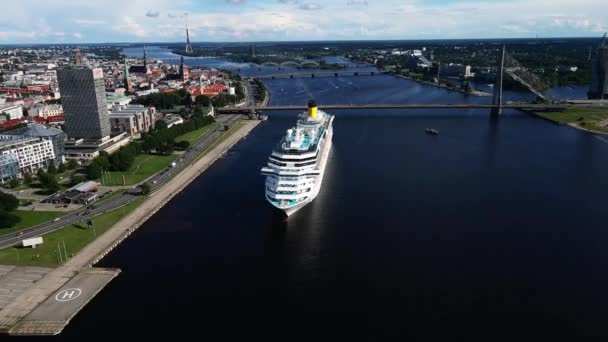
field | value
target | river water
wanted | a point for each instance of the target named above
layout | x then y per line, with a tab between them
490	229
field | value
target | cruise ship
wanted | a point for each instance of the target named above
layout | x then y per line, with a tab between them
296	166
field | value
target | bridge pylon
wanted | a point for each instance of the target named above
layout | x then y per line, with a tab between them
497	96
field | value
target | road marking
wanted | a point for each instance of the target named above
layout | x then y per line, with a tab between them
68	295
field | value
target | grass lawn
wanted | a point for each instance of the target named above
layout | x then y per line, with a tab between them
74	236
589	118
195	136
30	218
145	165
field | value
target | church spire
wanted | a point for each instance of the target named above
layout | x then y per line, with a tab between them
126	72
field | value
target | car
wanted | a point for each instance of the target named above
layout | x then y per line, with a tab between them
154	182
55	220
20	233
65	205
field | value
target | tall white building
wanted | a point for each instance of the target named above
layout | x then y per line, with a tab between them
32	154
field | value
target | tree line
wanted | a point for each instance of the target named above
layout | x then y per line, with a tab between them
160	140
166	100
118	161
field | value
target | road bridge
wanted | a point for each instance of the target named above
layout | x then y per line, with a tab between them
313	74
536	106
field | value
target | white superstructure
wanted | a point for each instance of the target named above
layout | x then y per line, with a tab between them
296	166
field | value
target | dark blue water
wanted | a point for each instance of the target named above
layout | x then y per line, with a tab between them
490	230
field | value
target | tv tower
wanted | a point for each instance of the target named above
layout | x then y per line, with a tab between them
188	45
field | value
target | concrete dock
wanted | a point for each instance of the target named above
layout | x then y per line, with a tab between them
14	280
50	317
45	300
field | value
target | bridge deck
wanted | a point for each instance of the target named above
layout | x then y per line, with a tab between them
319	73
230	110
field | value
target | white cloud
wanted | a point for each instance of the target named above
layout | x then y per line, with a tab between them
130	26
89	22
513	29
77	35
152	14
310	7
298	20
357	2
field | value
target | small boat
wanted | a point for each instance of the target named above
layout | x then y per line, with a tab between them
432	131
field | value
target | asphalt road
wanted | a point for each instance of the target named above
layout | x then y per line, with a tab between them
156	181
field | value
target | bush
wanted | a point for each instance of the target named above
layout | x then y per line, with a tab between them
72	164
49	182
13	183
27	178
77	180
8	219
94	171
145	188
182	145
51	169
8	202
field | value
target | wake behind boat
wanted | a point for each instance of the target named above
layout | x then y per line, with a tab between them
296	166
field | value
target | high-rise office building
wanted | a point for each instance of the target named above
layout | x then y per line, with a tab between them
83	97
599	69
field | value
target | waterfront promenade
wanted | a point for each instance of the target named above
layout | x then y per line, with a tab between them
35	300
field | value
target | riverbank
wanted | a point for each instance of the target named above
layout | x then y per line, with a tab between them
30	299
590	120
474	92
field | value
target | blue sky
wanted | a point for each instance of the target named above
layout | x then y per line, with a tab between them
69	21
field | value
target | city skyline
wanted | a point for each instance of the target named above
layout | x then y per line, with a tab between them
286	20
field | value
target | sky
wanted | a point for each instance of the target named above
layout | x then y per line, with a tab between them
100	21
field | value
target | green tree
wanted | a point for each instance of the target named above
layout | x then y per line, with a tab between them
61	168
27	178
8	219
49	182
126	159
40	172
8	202
182	145
13	183
145	188
52	169
203	100
94	171
77	180
160	125
103	161
72	164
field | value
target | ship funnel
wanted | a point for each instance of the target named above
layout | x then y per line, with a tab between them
312	109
